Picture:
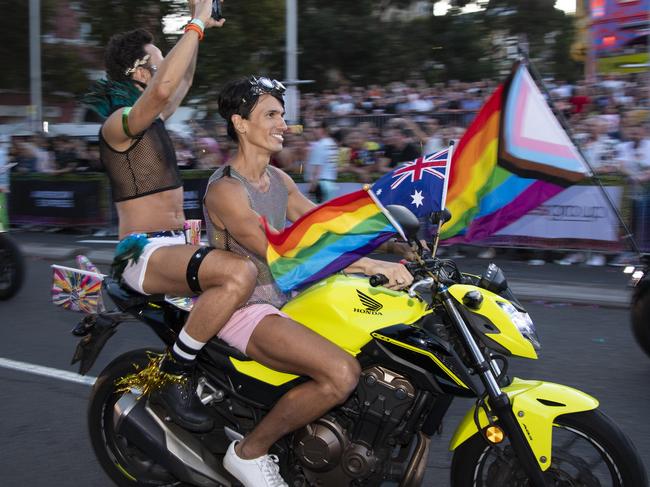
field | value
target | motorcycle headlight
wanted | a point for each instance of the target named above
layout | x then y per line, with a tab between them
522	321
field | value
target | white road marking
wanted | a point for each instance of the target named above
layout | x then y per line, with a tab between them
46	371
99	241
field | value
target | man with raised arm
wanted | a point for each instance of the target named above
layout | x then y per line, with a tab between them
141	91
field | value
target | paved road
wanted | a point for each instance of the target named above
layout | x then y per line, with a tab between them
605	286
42	420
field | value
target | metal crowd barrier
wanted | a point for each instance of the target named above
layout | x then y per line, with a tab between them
578	218
456	118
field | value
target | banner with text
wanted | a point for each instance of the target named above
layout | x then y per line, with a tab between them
59	201
579	216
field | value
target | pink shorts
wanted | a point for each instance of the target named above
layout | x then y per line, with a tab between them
237	332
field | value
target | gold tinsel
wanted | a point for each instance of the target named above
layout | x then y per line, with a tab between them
149	379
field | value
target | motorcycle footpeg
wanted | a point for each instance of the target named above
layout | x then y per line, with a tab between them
84	326
98	329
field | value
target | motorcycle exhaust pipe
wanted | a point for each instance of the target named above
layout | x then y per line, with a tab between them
415	470
166	443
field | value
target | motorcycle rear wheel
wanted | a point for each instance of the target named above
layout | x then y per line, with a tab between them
124	463
641	317
12	267
588	450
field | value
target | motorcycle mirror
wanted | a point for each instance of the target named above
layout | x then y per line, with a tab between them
494	280
440	217
406	219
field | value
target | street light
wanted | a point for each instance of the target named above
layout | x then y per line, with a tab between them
291	63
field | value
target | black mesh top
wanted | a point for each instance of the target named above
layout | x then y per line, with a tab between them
148	166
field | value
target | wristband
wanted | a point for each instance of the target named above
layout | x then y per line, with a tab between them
125	122
196	29
198	22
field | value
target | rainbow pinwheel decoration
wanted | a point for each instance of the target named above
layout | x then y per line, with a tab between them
77	290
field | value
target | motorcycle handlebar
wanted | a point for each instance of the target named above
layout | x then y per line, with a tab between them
378	280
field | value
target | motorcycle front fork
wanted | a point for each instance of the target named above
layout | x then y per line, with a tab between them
500	404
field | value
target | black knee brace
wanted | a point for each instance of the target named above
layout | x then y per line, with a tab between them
193	265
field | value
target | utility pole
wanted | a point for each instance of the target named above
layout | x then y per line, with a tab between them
35	88
291	62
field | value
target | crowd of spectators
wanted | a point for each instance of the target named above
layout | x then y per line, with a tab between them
53	155
377	127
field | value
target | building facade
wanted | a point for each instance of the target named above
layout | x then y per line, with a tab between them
618	34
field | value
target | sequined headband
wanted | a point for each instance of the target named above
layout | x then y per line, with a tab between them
137	63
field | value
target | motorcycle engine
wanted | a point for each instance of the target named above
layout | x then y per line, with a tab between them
353	442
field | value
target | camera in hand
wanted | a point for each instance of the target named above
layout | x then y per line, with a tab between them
216	10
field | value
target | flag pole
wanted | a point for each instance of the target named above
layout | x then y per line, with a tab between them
443	200
450	154
386	213
565	125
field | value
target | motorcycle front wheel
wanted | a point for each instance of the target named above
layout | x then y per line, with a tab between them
641	317
589	450
12	267
124	463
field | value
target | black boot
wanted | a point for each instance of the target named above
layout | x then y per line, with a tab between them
179	398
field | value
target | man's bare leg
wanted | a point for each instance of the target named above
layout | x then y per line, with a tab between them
227	281
287	346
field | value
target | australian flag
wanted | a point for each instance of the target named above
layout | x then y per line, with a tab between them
419	185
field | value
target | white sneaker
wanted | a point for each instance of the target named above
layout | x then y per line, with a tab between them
489	253
258	472
574	258
596	260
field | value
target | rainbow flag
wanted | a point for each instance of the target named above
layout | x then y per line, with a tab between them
514	156
327	239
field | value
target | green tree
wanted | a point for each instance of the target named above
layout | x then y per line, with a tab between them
344	42
548	31
61	71
14	42
252	41
108	17
458	48
349	41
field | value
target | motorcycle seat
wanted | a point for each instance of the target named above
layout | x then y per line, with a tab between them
221	347
126	298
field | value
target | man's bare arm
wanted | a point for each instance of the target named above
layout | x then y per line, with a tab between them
228	207
182	90
163	85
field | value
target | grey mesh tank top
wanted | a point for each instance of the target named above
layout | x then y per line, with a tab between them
272	205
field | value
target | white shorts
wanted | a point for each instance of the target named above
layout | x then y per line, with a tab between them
134	273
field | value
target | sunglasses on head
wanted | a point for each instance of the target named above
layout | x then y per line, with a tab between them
263	85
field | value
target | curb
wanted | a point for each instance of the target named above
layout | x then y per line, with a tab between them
559	293
526	290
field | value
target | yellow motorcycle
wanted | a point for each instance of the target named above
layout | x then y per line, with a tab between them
448	335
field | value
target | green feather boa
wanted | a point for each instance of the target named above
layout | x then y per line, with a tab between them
128	251
108	95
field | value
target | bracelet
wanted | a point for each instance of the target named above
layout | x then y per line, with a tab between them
198	22
196	29
125	122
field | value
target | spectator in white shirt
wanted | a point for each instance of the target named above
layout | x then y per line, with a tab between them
322	162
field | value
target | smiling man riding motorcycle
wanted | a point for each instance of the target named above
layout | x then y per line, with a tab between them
236	197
